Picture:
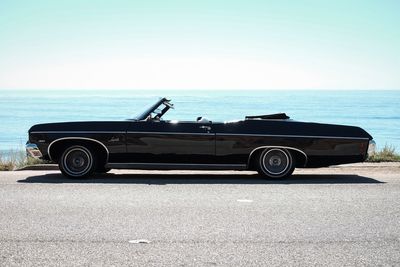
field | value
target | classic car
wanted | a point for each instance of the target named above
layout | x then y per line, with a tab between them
274	145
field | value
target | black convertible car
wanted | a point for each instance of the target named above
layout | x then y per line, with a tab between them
273	144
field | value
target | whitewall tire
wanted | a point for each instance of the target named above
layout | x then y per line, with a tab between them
276	163
77	162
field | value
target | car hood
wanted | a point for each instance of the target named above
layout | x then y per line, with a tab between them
81	126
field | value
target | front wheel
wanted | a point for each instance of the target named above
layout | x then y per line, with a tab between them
77	162
276	163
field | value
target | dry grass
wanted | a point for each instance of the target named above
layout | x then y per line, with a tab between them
6	165
386	154
15	159
10	160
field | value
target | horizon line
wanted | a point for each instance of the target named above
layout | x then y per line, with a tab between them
201	89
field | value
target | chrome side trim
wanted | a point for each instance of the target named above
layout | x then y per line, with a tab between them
77	138
169	133
217	134
118	132
294	136
285	147
78	132
169	166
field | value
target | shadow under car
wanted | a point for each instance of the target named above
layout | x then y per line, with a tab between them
207	178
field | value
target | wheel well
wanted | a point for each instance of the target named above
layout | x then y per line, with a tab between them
57	148
299	157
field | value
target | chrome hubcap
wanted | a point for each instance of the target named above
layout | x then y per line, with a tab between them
275	161
78	162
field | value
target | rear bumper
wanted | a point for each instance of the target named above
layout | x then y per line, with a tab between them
33	151
371	148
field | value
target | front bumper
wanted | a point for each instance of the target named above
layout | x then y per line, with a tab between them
33	151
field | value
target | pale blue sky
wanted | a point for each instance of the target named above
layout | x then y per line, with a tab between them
199	44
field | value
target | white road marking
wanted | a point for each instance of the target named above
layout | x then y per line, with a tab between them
139	241
245	200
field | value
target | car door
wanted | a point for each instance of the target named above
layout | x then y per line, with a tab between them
169	142
233	142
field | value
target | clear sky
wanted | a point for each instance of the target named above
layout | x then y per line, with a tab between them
204	44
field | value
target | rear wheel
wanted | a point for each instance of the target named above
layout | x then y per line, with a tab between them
276	163
77	162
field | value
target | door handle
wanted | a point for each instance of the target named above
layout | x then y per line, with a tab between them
208	128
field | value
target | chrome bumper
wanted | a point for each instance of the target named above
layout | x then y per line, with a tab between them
33	151
371	148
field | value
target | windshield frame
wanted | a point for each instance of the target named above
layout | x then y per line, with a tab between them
146	115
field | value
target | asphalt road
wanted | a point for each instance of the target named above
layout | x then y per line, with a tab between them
331	216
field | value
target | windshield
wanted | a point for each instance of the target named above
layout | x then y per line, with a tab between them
155	111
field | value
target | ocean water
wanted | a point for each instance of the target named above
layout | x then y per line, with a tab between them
378	112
